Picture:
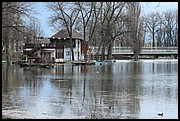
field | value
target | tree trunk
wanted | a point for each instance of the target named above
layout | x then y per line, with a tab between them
85	52
85	44
153	43
71	43
136	56
7	43
103	53
109	56
97	54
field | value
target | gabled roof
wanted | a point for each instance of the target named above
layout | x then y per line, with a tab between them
64	34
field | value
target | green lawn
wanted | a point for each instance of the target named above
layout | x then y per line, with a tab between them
5	117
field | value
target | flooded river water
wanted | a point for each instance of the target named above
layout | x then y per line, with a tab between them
123	90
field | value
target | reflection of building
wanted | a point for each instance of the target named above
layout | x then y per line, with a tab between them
56	48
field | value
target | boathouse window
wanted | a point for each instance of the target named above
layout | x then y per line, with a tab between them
59	53
67	53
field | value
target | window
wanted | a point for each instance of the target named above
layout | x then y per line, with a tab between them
67	53
59	53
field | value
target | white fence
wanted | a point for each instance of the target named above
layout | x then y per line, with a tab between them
144	50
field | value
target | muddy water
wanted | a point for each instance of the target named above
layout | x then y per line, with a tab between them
123	90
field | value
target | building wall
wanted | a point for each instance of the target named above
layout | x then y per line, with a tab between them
67	55
77	52
53	54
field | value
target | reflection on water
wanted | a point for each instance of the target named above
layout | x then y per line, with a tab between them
126	89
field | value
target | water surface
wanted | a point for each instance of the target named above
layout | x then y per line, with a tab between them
123	90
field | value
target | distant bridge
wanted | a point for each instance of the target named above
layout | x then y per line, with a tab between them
149	51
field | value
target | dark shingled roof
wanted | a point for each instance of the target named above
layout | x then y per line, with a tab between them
64	34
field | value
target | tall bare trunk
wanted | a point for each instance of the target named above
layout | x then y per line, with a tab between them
110	51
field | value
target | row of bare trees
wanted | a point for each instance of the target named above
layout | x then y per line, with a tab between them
102	25
100	22
163	28
18	27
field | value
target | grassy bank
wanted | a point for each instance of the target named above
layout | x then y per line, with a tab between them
4	62
5	117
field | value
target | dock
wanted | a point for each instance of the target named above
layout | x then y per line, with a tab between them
44	65
83	63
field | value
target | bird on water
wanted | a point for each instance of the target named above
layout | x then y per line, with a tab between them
160	114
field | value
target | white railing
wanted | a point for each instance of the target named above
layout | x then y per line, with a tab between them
144	50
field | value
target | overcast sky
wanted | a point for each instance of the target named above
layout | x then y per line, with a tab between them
147	7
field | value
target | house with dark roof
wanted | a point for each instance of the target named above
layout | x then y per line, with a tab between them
56	48
63	51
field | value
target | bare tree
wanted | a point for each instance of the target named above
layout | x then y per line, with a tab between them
135	23
109	26
12	12
93	24
152	23
17	10
86	10
175	33
116	25
170	23
163	28
89	15
159	31
104	11
65	15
